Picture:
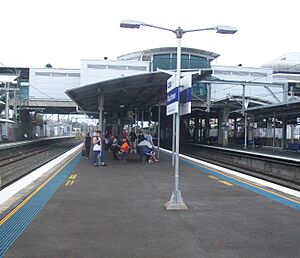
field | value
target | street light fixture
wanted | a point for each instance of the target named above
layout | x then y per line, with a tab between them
133	24
176	201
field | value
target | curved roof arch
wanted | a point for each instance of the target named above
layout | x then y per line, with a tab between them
140	55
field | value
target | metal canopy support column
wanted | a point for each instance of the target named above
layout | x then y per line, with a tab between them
15	105
235	128
274	126
208	97
149	120
283	140
201	130
196	129
246	131
158	131
206	128
7	101
173	139
253	142
5	133
223	126
143	121
245	118
100	106
136	121
292	133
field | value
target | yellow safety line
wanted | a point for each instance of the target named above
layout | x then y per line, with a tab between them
244	182
32	194
74	176
72	182
68	182
225	182
220	181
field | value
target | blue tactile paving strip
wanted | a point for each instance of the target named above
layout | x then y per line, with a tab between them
13	227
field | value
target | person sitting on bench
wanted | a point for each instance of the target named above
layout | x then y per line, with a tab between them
145	149
124	146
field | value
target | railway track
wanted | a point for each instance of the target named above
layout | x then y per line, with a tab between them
276	170
17	163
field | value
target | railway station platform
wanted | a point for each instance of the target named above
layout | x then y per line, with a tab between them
263	150
118	211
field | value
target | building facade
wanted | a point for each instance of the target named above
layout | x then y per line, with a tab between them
287	67
51	83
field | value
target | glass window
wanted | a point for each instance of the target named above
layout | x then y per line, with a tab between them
162	62
174	61
167	62
24	92
185	62
199	62
199	90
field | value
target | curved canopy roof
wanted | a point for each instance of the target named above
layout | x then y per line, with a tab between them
136	92
132	92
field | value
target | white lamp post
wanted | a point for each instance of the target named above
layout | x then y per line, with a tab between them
176	201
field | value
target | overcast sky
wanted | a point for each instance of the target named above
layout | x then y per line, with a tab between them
60	32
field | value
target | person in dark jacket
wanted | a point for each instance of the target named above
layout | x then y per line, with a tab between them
115	147
87	144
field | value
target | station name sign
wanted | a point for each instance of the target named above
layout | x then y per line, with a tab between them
183	96
172	96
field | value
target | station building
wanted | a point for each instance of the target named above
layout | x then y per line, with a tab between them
222	96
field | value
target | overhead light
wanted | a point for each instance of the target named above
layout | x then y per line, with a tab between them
226	29
131	24
121	106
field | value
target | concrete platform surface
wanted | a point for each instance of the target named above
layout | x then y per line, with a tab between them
118	211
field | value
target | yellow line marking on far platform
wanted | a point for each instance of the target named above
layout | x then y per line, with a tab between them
220	181
246	182
225	183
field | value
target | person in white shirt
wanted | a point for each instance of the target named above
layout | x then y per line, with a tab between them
97	149
146	149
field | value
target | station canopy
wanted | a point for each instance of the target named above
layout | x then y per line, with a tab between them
129	93
137	92
290	110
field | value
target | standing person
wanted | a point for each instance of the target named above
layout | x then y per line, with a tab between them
115	146
132	138
97	149
87	144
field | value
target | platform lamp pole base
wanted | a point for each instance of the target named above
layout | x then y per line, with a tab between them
176	202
